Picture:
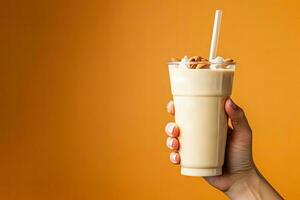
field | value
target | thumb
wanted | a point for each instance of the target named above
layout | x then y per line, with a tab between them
237	116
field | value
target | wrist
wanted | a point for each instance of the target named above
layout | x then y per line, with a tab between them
245	186
251	185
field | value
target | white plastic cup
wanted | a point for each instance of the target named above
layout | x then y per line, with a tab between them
199	96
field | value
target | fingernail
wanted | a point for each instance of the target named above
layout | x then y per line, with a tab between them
233	105
173	157
168	107
170	143
170	128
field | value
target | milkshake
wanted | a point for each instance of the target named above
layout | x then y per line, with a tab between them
199	90
200	87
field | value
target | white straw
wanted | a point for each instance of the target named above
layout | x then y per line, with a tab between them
215	35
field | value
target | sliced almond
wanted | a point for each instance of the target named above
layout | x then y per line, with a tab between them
202	65
228	60
225	65
192	66
195	59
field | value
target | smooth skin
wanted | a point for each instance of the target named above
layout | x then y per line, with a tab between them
240	179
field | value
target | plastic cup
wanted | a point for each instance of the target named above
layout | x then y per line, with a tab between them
199	96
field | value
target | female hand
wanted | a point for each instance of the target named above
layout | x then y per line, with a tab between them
239	170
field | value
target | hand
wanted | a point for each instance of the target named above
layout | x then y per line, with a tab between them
238	159
239	168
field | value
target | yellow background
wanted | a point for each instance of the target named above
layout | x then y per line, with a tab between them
84	84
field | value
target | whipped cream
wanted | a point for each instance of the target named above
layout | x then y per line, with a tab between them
217	62
184	63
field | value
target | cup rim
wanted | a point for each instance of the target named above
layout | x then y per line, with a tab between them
198	62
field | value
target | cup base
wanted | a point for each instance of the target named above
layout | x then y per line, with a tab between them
201	172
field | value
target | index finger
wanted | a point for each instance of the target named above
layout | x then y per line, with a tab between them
170	107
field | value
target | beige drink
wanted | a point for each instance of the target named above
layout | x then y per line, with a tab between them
199	96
